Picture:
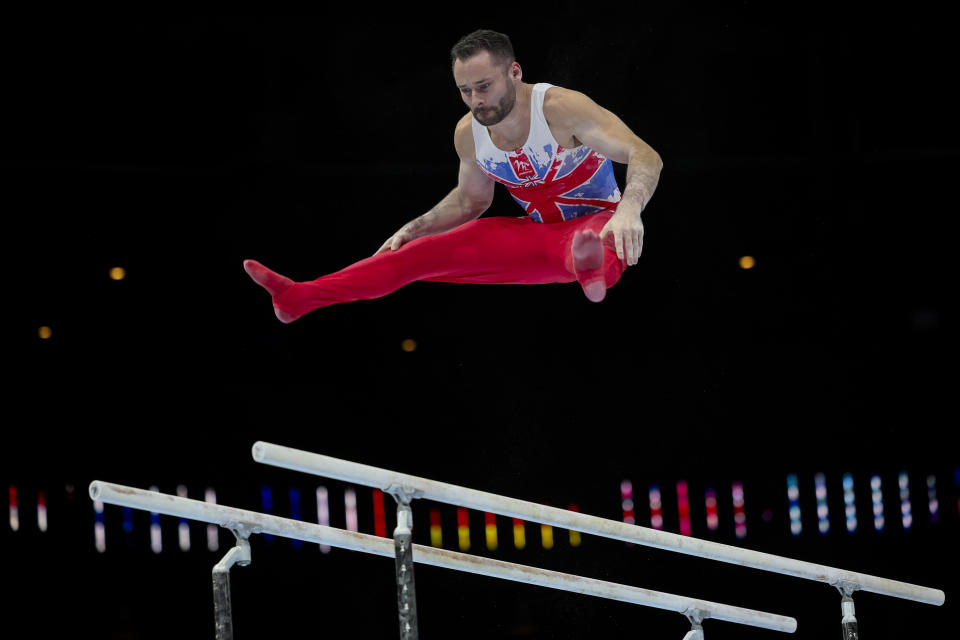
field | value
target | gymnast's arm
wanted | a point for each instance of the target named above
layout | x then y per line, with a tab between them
468	200
601	130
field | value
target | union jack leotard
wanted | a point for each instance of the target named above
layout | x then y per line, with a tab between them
551	183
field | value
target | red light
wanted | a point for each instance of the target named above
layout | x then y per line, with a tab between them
379	520
739	515
683	507
574	535
626	501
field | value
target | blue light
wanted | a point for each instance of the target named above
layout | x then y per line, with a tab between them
793	497
932	501
266	502
295	513
849	503
823	511
906	511
876	494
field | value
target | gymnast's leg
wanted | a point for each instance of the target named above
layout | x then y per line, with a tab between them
497	250
561	252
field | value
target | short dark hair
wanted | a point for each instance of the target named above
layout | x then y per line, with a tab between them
497	44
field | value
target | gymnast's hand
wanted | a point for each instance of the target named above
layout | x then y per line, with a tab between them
397	240
626	227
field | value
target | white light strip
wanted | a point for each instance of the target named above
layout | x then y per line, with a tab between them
297	529
350	506
14	510
156	530
326	466
42	511
213	533
323	513
183	527
99	530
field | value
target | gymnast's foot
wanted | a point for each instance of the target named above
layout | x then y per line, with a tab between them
274	283
587	251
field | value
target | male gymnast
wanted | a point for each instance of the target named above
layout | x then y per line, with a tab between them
552	149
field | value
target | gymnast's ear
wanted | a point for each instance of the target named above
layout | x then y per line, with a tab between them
515	71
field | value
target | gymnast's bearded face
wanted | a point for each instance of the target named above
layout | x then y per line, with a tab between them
487	86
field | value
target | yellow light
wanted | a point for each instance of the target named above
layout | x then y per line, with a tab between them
463	529
491	537
44	333
519	534
436	536
118	273
408	345
546	536
747	262
574	535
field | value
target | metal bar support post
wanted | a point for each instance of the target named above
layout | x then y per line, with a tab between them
238	554
403	549
695	617
849	620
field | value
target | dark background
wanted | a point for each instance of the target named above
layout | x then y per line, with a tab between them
176	148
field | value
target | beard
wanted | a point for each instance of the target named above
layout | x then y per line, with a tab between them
491	115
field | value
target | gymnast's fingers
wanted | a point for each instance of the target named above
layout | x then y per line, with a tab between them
618	242
399	239
383	247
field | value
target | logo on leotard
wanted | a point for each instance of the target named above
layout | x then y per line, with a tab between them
521	164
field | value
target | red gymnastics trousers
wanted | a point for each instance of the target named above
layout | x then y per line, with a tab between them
495	250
